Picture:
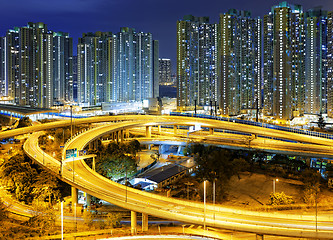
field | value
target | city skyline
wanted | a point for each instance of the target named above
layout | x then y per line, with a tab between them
78	17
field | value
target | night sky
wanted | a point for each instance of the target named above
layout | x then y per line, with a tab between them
156	16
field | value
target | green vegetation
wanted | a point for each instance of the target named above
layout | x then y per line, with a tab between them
44	217
110	220
35	186
311	180
279	198
27	181
24	122
51	141
217	164
115	161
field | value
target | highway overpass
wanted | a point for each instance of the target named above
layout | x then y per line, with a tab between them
78	174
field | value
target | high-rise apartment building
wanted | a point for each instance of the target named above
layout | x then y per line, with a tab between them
33	58
117	67
3	63
134	59
330	64
197	69
94	68
240	61
316	61
62	67
13	64
38	66
74	69
164	70
156	82
284	56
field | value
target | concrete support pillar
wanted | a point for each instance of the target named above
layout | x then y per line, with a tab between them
211	131
127	133
122	135
259	237
88	199
95	145
144	222
94	164
90	145
175	129
112	136
133	223
159	128
117	136
148	131
74	196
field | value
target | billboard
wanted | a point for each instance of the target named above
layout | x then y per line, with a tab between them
71	153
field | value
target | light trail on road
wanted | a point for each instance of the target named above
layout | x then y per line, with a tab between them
185	211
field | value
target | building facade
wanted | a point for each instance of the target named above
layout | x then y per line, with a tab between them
165	71
197	69
118	67
62	68
135	63
94	68
240	62
284	57
330	64
37	66
316	62
3	67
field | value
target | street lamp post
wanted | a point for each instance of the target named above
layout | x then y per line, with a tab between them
316	211
62	220
214	196
73	166
126	184
274	181
205	204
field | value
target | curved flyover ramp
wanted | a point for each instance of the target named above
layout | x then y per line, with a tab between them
169	208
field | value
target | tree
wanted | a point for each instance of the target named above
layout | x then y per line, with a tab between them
216	164
61	135
116	166
45	187
321	122
133	147
28	181
280	199
88	218
18	175
311	180
24	122
113	220
44	217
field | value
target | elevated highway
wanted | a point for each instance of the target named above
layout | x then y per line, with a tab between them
78	174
